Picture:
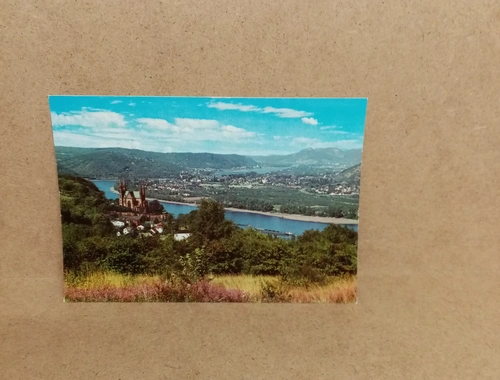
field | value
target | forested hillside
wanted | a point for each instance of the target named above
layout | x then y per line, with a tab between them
313	157
118	162
350	176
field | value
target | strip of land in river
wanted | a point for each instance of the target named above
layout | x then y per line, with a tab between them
302	218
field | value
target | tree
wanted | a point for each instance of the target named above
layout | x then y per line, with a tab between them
162	258
170	224
155	207
210	221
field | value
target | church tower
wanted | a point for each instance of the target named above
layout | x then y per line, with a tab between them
142	196
123	191
142	193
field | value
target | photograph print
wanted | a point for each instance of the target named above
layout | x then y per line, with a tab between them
203	199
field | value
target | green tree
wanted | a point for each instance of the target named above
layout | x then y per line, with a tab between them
155	207
210	222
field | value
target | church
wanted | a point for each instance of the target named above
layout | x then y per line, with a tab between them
135	200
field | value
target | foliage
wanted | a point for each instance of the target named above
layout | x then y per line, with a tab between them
322	156
216	247
115	287
155	207
193	266
274	291
209	222
132	163
201	291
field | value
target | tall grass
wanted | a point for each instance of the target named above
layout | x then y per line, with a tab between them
247	283
337	290
114	287
95	280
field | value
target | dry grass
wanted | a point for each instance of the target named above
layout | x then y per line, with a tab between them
247	283
342	290
339	290
107	279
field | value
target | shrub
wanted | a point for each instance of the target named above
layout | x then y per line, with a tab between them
304	276
194	266
176	291
274	291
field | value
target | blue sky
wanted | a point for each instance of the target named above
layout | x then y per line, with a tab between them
250	126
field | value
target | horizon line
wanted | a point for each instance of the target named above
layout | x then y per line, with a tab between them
222	154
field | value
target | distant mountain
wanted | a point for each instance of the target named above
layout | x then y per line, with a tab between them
313	157
119	162
351	176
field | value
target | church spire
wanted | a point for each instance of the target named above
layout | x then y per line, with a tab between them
142	191
123	187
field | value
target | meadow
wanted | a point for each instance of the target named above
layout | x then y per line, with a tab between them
278	199
118	287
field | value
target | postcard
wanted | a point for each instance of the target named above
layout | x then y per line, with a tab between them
203	199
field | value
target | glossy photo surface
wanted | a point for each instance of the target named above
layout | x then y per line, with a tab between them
191	199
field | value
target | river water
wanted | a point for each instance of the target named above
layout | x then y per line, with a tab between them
266	222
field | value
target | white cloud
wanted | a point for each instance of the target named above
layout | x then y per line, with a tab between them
339	133
116	102
230	106
309	120
280	112
236	133
306	142
276	138
66	138
157	124
334	130
195	130
327	127
136	140
88	118
197	123
131	104
286	112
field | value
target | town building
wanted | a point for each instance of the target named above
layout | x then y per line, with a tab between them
135	200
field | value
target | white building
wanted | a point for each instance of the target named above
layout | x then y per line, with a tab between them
180	237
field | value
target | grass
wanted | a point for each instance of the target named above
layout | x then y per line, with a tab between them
114	287
249	284
338	290
107	279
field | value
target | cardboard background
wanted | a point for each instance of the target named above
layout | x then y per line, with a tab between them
428	303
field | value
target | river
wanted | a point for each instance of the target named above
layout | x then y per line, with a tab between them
266	222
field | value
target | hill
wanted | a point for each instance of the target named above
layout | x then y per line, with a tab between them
351	176
313	157
119	162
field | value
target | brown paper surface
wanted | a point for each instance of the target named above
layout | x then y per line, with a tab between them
428	299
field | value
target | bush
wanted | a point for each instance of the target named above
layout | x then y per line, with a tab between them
194	267
202	291
215	246
304	276
274	291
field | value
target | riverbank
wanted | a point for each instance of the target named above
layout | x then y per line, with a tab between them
302	218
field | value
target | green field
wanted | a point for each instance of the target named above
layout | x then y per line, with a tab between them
278	199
